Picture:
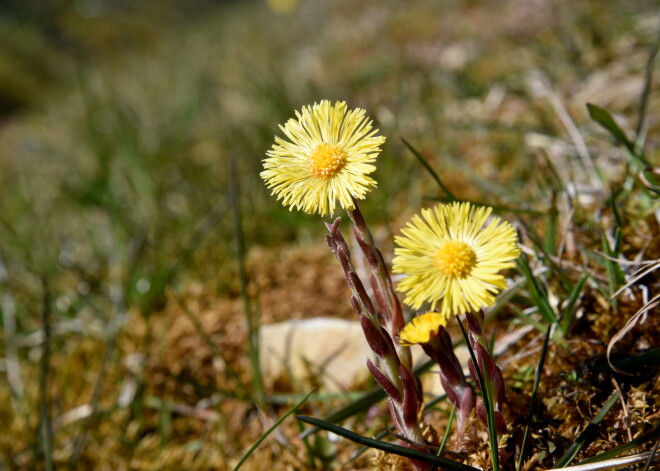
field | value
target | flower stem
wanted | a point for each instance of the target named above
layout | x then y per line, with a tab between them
388	370
387	302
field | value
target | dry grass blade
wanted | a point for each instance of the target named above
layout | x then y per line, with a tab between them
615	463
649	177
573	131
639	274
632	322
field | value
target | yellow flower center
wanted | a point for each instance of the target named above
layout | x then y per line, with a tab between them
455	259
327	160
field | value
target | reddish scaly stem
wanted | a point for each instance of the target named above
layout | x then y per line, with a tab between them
458	390
393	376
387	302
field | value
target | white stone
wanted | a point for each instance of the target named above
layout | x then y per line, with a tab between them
326	351
332	353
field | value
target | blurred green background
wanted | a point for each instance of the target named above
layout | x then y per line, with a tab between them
124	114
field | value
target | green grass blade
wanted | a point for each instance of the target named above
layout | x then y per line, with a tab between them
369	398
447	430
604	118
547	258
324	398
572	302
484	384
614	275
556	181
426	165
490	411
550	233
527	319
620	277
309	450
652	457
611	202
46	431
618	450
586	435
538	294
428	406
653	451
269	431
250	318
650	177
387	447
488	186
532	402
648	359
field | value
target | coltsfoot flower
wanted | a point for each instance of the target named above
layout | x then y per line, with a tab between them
326	158
422	329
451	255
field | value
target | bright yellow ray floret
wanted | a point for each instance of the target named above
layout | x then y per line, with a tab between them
422	329
326	158
452	255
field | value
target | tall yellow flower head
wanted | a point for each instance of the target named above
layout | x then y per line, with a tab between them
326	158
422	329
451	254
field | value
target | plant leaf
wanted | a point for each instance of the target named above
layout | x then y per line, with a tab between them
426	165
604	118
385	446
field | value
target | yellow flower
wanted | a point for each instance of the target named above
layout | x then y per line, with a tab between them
422	329
326	159
450	254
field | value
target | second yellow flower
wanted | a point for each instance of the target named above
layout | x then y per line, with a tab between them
453	258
